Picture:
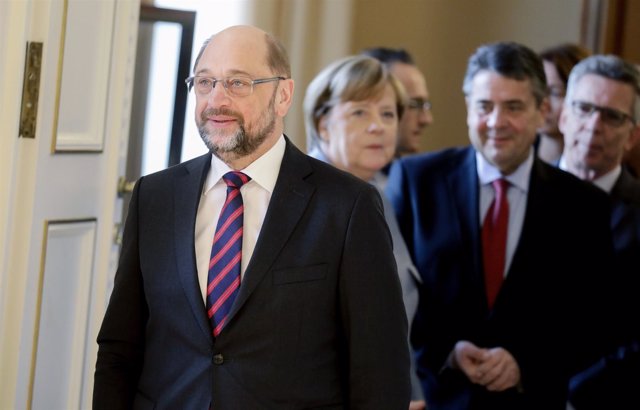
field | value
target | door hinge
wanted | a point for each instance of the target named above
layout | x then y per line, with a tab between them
30	90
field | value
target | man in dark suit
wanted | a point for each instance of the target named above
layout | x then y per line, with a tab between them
599	122
318	318
508	275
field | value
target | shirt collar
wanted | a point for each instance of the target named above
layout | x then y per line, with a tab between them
487	173
608	180
263	171
605	182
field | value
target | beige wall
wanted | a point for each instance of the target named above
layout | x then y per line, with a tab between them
315	33
441	34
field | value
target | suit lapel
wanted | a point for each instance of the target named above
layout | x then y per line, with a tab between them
625	211
619	211
538	208
619	193
463	186
187	188
288	202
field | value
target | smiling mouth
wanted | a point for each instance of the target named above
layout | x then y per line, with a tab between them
498	140
220	116
221	122
222	119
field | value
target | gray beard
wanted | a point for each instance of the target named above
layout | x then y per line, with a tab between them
240	144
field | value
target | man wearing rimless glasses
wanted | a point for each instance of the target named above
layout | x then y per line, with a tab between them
600	123
253	276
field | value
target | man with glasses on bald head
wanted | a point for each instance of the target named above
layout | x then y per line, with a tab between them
254	276
600	124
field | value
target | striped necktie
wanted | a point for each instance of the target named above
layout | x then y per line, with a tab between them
226	254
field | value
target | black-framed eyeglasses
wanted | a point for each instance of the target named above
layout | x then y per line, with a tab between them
419	104
235	86
609	116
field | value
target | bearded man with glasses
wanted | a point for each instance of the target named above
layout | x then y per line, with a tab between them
599	122
254	276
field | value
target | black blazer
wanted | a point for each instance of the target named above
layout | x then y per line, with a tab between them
613	381
546	302
625	220
318	323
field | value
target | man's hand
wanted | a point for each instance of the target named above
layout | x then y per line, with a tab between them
499	371
467	357
495	368
417	405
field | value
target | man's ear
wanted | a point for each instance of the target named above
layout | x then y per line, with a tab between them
634	138
562	121
284	97
545	107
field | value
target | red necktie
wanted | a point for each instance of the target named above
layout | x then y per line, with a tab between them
494	240
226	254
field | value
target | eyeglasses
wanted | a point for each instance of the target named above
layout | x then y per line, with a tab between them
609	116
419	104
237	86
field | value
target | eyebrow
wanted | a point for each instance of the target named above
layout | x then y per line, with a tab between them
367	103
505	102
207	72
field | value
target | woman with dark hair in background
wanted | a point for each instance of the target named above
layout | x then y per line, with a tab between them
558	62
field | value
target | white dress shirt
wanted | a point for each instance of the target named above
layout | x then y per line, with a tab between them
256	195
516	195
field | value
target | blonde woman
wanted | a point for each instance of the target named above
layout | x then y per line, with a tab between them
352	109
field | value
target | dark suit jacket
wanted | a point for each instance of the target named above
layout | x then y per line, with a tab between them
318	323
625	221
613	381
540	313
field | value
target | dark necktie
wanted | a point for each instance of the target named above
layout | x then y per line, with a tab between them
494	240
226	254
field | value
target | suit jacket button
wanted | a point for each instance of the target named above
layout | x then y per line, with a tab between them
218	359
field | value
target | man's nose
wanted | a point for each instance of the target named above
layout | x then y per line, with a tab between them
425	118
496	118
217	94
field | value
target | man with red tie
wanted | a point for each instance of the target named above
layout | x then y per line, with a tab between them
506	248
252	277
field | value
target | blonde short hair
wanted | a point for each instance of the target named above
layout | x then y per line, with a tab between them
354	78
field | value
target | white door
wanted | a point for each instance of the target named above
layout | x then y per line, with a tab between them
58	203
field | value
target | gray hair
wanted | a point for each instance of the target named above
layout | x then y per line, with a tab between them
277	58
611	67
511	60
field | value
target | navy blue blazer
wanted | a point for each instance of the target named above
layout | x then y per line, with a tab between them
318	322
545	314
